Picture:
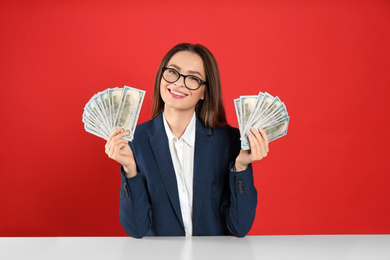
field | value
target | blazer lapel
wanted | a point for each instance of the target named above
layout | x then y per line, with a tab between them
160	147
203	151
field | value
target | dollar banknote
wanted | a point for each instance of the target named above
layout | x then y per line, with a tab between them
112	108
264	111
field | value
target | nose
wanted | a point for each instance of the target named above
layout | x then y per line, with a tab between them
180	81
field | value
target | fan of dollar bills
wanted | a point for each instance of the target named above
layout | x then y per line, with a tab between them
263	111
116	107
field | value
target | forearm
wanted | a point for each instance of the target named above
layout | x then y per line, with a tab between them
134	209
243	201
130	171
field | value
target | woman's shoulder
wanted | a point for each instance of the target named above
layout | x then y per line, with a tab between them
151	126
145	124
227	130
143	127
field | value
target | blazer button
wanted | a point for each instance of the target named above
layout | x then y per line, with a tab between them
126	190
240	186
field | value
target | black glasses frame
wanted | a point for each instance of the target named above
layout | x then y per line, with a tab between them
184	78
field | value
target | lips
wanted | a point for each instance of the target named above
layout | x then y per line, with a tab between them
176	93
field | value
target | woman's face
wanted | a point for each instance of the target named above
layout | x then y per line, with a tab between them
175	95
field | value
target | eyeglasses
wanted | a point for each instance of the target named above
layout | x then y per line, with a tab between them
190	81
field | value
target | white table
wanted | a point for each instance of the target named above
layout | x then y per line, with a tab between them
370	247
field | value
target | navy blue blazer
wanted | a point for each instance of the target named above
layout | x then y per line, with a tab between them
224	202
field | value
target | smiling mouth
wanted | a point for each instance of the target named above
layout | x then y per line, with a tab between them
176	93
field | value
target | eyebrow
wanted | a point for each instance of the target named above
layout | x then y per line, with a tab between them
190	71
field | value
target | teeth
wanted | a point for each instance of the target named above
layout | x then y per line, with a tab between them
178	94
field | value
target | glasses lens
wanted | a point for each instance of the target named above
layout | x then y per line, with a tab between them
171	75
192	82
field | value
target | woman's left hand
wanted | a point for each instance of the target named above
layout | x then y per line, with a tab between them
258	141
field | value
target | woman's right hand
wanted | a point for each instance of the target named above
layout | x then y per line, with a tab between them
119	150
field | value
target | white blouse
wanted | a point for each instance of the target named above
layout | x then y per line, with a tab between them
182	152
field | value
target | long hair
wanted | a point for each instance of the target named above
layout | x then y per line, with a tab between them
210	110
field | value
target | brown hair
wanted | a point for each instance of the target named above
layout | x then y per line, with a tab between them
210	110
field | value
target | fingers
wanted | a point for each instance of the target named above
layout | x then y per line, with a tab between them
265	137
117	133
113	133
255	144
115	146
114	140
259	144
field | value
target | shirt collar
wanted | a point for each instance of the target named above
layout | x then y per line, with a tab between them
189	133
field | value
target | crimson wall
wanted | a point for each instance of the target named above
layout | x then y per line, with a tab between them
327	60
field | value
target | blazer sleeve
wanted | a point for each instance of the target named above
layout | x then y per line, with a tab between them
134	208
241	210
243	201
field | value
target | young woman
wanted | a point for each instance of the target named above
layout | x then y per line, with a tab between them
184	172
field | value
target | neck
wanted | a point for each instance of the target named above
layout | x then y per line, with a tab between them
178	120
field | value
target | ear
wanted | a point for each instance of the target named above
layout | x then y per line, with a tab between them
202	97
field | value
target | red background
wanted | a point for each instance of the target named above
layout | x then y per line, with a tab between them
329	61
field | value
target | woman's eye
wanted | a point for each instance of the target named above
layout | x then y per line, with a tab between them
194	79
172	71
